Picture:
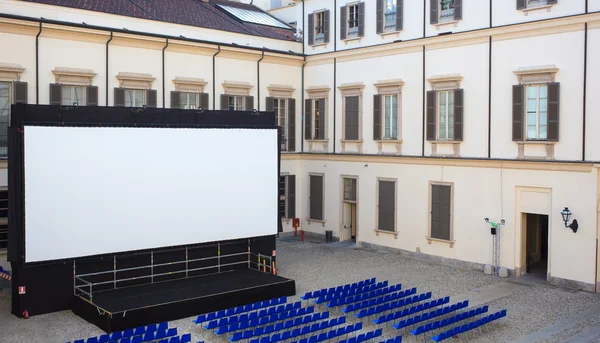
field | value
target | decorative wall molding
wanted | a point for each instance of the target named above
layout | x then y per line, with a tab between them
446	81
281	91
536	74
189	84
10	71
351	89
237	88
135	80
317	92
389	86
455	148
73	76
549	150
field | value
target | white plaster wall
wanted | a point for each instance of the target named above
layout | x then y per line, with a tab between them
471	62
134	60
71	54
288	14
180	64
505	12
229	69
475	15
593	6
593	88
22	52
72	15
536	51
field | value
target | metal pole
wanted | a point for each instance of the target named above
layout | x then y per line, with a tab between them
74	278
186	261
115	271
152	267
248	253
219	257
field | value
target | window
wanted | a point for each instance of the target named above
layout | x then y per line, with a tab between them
441	212
390	117
446	10
446	115
315	210
349	189
537	112
280	108
72	96
134	97
352	20
188	101
535	3
315	119
236	103
390	15
351	118
5	102
319	27
287	196
386	205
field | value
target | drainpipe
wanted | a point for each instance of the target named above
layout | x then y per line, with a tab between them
37	66
163	71
334	38
258	79
214	78
302	114
111	38
585	52
334	100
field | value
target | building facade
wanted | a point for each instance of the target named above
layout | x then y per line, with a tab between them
406	123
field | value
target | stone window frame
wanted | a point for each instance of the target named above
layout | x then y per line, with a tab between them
315	93
443	83
348	90
390	87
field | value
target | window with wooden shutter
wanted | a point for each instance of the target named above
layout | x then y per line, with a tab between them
91	98
326	26
279	107
351	120
311	29
457	9
119	99
517	113
431	114
291	125
55	94
433	11
315	197
399	15
361	19
458	114
151	98
376	117
249	105
203	101
224	102
291	197
379	16
19	92
386	205
175	99
441	212
521	4
553	111
5	108
343	22
308	119
319	119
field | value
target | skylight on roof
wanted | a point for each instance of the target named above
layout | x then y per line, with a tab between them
254	17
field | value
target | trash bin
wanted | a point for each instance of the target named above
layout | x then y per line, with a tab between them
329	236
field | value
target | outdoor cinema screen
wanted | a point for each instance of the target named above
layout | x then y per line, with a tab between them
99	190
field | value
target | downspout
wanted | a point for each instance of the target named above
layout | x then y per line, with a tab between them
303	109
303	34
490	97
163	72
585	50
424	109
111	38
214	77
334	41
334	100
37	66
258	80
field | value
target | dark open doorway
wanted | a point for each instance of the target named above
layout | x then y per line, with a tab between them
537	245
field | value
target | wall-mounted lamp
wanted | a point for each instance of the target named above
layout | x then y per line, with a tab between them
566	216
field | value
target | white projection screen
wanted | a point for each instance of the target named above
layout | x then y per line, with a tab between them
98	190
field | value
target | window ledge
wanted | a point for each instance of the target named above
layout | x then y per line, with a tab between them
323	222
391	141
455	146
549	149
395	233
316	45
537	142
358	141
318	140
449	22
535	8
431	239
349	39
445	142
387	33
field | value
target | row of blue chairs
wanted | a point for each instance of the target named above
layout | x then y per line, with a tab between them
364	337
397	304
423	307
140	330
240	309
249	315
371	293
275	317
259	331
470	326
379	300
304	331
340	296
338	289
186	338
333	334
438	324
397	339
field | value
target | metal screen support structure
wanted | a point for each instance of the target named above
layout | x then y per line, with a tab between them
495	245
74	279
248	253
152	266
115	271
186	262
219	257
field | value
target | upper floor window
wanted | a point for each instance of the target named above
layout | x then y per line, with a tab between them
446	10
441	11
188	101
72	95
537	112
352	20
390	117
319	27
524	4
445	119
5	102
134	98
280	108
236	103
445	115
390	15
315	119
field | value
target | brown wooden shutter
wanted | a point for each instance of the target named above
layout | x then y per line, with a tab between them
291	124
91	95
203	101
175	99
440	211
458	114
361	19
517	113
291	196
151	98
316	197
351	130
249	103
323	119
553	111
311	29
326	26
119	97
376	117
521	4
224	102
379	16
457	9
308	119
399	15
433	11
386	208
343	22
431	111
270	105
55	94
20	92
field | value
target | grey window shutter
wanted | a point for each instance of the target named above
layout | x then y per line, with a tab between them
351	118
386	213
316	197
521	4
224	102
431	120
20	92
457	9
291	196
379	16
311	29
517	113
249	105
175	99
203	101
551	2
440	212
308	119
399	15
151	98
343	22
291	125
376	117
458	114
433	11
326	26
553	111
322	121
91	95
55	94
361	19
119	97
270	105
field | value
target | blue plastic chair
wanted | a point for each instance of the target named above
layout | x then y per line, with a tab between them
115	335
92	340
186	338
136	339
105	338
172	332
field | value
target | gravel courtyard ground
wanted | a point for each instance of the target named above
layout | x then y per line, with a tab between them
537	312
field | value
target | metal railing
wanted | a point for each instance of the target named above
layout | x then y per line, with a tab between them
390	21
447	14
